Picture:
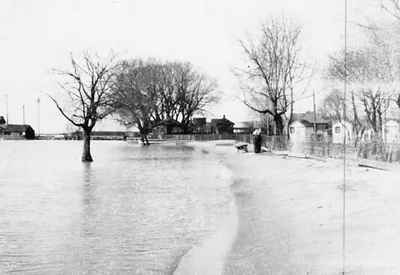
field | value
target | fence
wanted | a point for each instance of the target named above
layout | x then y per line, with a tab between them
202	137
375	150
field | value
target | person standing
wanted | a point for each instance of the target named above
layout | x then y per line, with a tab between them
257	140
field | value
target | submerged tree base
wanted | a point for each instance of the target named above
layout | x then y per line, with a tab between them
87	158
86	155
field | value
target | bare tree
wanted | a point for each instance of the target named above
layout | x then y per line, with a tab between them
375	105
385	38
151	93
273	68
192	93
181	93
392	7
135	95
332	106
369	70
88	86
357	125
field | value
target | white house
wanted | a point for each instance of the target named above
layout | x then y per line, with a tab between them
302	127
301	130
391	131
340	129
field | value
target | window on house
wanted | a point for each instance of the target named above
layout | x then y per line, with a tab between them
292	130
337	130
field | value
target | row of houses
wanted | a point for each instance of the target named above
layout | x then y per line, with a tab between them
200	125
304	128
218	126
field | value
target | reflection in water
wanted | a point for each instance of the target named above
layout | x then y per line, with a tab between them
134	210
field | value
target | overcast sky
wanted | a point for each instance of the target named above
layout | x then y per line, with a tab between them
36	36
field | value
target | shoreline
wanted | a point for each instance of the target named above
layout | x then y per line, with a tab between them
209	257
290	217
289	214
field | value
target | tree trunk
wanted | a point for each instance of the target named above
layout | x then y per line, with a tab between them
86	155
143	137
279	125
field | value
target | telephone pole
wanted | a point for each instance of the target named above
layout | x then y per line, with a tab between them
315	115
6	101
38	116
23	114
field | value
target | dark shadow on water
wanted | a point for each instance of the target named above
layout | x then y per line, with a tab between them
88	196
87	172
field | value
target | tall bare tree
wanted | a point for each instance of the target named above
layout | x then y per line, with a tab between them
88	87
192	93
151	93
181	92
392	7
392	38
273	68
368	71
332	106
135	95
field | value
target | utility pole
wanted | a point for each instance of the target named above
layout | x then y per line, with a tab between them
6	101
315	115
383	126
38	116
23	114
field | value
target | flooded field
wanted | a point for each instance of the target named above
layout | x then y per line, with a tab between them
133	210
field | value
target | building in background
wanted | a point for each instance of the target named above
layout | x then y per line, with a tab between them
15	131
305	128
245	127
199	125
340	129
391	130
220	126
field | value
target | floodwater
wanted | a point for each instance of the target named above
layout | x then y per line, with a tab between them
134	210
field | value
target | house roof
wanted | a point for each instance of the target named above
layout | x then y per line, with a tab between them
199	121
216	121
309	117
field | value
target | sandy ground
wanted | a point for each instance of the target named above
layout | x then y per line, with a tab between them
289	214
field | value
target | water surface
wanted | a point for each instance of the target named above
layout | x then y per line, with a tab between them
133	210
